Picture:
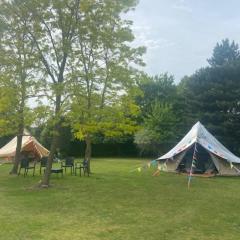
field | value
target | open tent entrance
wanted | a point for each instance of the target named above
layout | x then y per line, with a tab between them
203	164
211	158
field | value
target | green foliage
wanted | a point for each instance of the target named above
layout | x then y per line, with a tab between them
159	88
224	53
65	138
159	128
112	121
161	114
159	120
212	97
104	83
17	71
7	107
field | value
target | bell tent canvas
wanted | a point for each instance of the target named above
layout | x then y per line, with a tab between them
29	144
211	157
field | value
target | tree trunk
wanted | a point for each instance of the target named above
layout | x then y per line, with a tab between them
88	150
21	125
16	162
46	178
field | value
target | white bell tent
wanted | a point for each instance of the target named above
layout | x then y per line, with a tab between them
211	156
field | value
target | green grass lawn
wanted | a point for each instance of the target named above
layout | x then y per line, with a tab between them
115	203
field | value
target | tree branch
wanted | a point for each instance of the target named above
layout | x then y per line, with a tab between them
44	61
52	41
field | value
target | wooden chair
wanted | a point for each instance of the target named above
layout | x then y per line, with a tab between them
83	166
25	164
43	163
68	163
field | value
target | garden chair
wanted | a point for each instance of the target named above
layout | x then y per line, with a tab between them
68	163
25	164
43	163
83	166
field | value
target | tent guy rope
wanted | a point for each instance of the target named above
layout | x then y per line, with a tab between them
193	165
145	166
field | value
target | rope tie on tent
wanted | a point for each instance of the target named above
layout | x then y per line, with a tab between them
232	166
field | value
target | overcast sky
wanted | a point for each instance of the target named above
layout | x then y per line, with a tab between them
181	34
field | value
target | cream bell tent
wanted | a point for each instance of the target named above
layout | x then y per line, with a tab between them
29	144
211	156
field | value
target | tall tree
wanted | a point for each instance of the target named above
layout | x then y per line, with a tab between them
51	25
17	62
224	53
104	80
212	97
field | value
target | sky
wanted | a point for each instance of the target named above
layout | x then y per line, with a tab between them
180	34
